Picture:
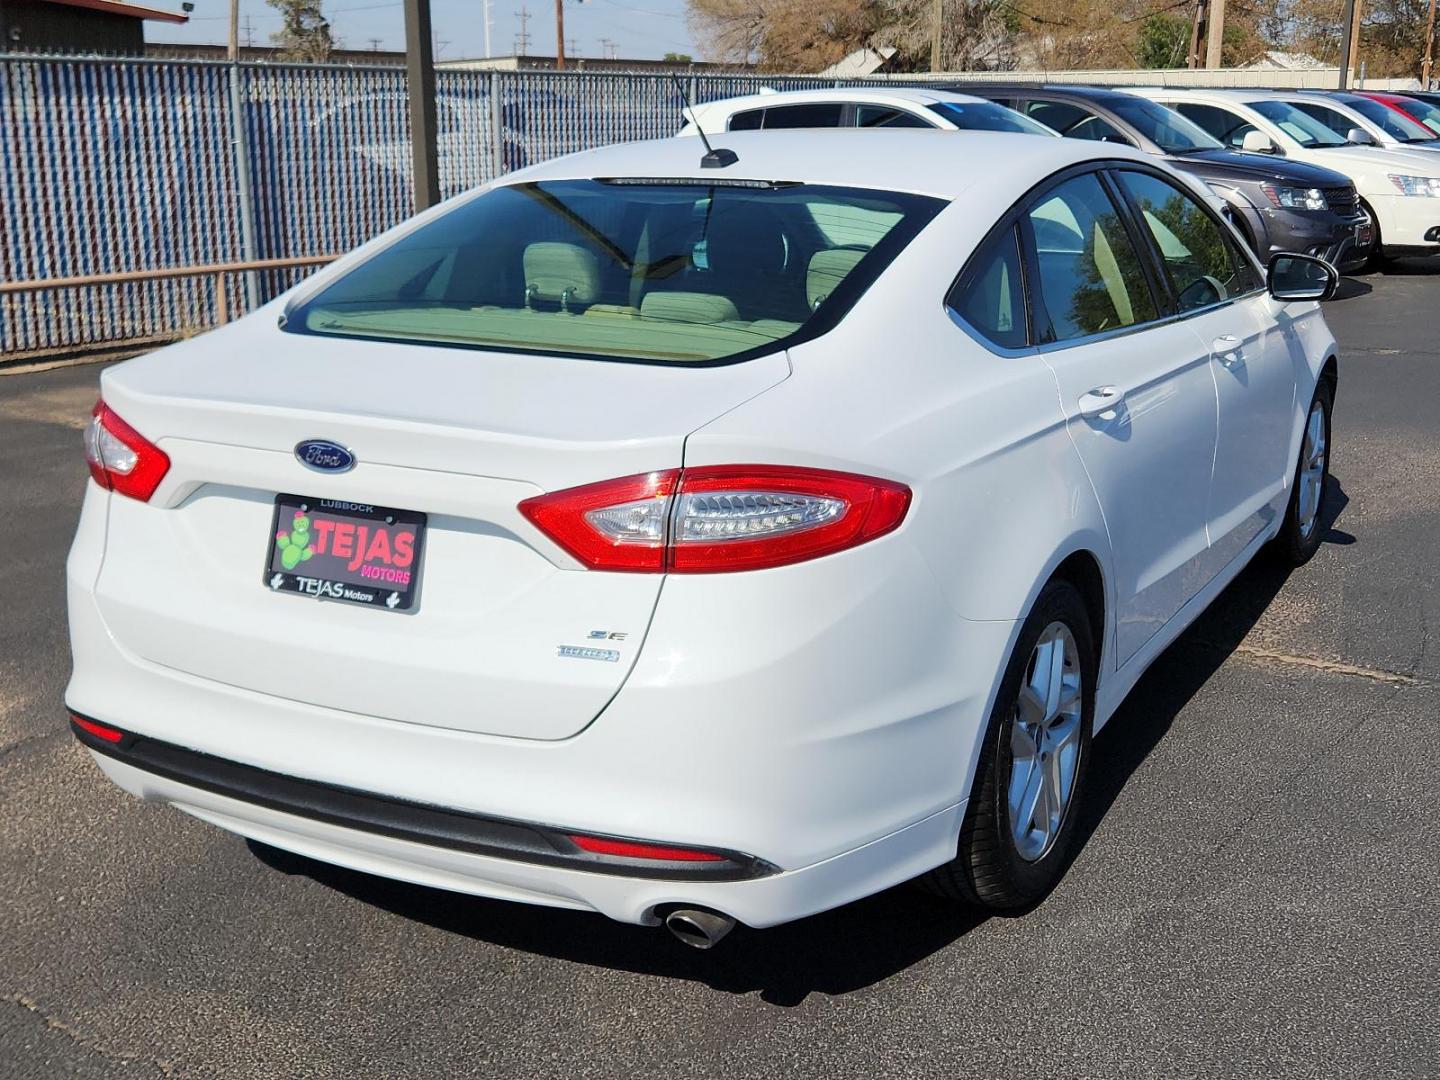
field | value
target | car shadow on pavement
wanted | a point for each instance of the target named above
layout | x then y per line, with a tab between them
1350	288
863	943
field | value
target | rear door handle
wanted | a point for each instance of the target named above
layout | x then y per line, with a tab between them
1226	349
1103	399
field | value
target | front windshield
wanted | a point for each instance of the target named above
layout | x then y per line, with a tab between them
987	116
654	270
1305	130
1425	112
1397	125
1166	128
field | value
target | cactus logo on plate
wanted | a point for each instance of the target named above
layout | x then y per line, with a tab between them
322	455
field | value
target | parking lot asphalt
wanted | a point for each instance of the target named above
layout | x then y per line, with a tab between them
1256	896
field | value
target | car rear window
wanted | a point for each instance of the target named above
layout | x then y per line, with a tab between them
661	271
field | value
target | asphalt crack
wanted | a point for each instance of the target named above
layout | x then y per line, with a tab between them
1329	667
87	1042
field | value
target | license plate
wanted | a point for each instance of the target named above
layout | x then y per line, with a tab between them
351	552
1363	234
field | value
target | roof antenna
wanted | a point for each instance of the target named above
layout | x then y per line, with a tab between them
713	159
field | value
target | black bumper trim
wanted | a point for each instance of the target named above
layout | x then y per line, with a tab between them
420	823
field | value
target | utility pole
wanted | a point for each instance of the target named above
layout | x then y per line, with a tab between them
234	51
1355	37
935	26
1345	43
559	35
1193	60
374	44
249	33
605	44
420	84
1215	46
1429	48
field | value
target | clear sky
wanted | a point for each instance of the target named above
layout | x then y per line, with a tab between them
643	29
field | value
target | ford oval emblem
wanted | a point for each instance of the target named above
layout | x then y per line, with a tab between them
322	455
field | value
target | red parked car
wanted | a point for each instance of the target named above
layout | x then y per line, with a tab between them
1417	109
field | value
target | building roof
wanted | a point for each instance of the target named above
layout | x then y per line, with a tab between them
114	7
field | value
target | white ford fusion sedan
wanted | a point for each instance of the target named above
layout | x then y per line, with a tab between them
698	543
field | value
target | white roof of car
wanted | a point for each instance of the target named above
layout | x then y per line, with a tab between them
925	162
900	96
1178	92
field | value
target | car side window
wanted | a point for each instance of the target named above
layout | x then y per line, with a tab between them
868	116
1089	277
820	115
1203	263
990	295
1337	122
1074	122
748	121
1221	123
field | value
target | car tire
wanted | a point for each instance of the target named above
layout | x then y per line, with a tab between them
1374	256
1300	532
997	867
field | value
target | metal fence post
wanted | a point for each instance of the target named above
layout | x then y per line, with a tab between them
244	189
497	136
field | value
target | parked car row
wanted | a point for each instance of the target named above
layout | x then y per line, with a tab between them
709	533
1346	177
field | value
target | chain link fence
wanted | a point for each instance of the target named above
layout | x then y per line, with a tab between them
110	165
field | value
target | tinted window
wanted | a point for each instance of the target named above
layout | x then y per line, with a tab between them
820	115
883	116
1201	260
987	116
747	121
1425	112
1221	123
1304	129
1336	121
990	297
665	271
1074	122
1396	125
1164	127
1090	277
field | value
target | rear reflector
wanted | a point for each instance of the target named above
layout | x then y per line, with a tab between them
100	731
120	458
629	849
718	518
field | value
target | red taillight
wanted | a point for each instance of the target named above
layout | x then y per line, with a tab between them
120	458
629	849
718	518
100	731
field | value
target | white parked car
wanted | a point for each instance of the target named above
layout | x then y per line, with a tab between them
697	544
856	107
1363	120
1399	187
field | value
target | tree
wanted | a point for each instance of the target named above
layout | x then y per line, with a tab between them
784	35
305	33
1164	42
678	58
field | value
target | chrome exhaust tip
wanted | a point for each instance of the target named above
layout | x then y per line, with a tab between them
698	928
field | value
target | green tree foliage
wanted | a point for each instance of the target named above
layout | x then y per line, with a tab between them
305	32
1164	42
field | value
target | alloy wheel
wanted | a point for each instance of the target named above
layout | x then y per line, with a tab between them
1045	743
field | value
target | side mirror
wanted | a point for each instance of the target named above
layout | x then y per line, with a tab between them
1360	137
1301	277
1257	142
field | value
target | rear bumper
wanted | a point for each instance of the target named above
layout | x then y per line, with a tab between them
760	901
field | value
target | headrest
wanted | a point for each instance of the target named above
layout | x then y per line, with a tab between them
828	268
691	307
561	274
